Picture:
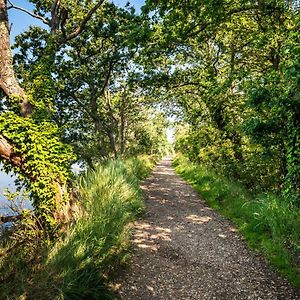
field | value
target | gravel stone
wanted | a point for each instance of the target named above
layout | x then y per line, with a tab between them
185	250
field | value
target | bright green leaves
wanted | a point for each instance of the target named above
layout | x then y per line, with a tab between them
45	160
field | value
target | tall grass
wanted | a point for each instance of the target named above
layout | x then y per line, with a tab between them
269	223
80	264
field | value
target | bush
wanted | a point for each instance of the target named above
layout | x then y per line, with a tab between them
141	166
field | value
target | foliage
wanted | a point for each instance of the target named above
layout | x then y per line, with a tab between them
78	264
268	222
231	68
46	162
61	78
227	70
149	134
141	165
96	94
43	164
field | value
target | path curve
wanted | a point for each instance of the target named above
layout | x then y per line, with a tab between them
185	250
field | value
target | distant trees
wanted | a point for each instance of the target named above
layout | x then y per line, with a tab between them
231	67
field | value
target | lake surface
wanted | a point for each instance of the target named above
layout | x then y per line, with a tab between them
7	182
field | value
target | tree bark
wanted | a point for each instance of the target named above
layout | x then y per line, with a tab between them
8	81
122	127
112	125
7	153
9	85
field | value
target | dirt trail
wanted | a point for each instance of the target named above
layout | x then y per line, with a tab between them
185	250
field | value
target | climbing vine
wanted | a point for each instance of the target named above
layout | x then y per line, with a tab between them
45	161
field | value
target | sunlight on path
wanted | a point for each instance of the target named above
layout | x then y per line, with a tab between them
185	250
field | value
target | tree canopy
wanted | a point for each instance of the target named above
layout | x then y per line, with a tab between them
98	84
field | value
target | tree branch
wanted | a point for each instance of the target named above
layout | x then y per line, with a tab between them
191	33
82	105
7	219
7	153
44	20
106	80
54	14
80	28
64	17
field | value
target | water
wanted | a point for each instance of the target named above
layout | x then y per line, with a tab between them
6	181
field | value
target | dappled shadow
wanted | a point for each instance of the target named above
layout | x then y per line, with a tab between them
147	235
198	219
185	250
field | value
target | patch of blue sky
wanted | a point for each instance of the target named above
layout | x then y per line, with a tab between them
20	21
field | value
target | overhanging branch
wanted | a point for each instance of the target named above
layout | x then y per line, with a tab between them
8	219
44	20
80	28
7	153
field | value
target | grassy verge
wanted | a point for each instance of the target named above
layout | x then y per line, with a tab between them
79	265
269	224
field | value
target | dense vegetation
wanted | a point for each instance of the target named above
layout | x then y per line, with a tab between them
77	264
233	69
95	84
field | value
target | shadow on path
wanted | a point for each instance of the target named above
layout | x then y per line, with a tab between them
185	250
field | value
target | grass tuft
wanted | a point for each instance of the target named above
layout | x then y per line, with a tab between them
79	264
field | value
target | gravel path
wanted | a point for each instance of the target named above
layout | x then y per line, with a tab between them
185	250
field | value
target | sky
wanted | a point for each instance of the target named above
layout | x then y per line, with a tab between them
20	21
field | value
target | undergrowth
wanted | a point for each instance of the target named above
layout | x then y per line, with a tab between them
79	264
269	223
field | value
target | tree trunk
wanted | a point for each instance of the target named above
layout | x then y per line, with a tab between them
8	81
111	128
12	90
9	85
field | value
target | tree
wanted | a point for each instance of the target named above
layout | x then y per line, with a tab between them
95	82
29	141
223	63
